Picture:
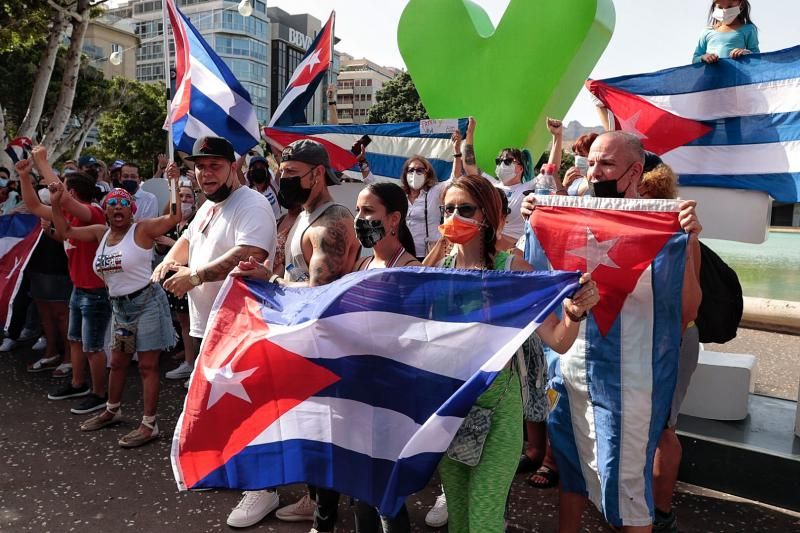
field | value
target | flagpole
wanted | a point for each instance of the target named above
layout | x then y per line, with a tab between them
167	81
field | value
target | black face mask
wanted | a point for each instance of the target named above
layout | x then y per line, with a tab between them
369	232
608	188
291	192
94	172
222	193
130	185
258	175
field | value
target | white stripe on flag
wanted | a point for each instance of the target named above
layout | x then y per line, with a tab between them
771	158
636	383
429	345
226	98
430	147
573	371
7	243
766	98
435	436
286	101
356	426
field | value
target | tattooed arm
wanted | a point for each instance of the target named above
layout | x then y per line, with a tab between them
219	269
334	246
470	164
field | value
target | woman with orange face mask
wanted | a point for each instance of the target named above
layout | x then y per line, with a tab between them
476	495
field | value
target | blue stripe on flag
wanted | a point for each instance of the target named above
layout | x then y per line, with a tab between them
322	464
755	68
461	296
784	187
384	383
397	129
603	364
219	121
754	129
18	225
459	405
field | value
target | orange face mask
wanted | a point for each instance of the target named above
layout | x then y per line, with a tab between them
459	230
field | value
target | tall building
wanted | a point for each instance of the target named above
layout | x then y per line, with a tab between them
105	36
242	42
291	36
358	83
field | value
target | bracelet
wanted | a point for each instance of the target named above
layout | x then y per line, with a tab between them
331	103
575	318
456	155
274	279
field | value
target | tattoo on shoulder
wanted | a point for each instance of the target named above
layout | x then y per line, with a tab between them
469	154
330	242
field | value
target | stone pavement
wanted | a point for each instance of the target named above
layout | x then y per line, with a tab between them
55	478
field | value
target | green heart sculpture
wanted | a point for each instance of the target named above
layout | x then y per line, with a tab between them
509	78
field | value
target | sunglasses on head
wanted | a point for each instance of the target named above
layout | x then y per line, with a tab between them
465	210
122	202
417	170
506	160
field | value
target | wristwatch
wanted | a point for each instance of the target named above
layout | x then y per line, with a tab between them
194	279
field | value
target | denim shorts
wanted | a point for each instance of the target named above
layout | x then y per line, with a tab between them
149	313
89	315
50	287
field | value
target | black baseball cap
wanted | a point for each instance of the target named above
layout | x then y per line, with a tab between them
87	161
212	147
313	153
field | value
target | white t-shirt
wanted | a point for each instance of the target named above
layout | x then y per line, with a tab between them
515	224
244	218
146	205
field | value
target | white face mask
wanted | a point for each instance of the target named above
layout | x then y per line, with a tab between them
506	173
415	181
186	209
726	16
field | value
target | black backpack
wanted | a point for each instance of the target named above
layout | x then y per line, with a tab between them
721	308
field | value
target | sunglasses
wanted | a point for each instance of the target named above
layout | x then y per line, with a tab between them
122	202
415	170
465	210
506	161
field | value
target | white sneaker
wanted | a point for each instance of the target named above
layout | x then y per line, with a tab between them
41	344
8	345
27	334
183	371
437	516
253	507
302	509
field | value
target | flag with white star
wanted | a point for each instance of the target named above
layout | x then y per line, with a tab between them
612	391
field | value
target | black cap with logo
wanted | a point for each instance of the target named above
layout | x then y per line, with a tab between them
212	147
313	153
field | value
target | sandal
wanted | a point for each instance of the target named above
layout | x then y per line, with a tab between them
44	364
526	464
136	438
100	421
549	474
63	370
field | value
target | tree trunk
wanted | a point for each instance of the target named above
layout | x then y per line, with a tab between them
66	96
43	75
78	135
5	161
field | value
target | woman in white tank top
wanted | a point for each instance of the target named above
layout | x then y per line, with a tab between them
141	316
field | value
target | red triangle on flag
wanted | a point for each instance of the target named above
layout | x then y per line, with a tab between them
242	384
616	247
660	131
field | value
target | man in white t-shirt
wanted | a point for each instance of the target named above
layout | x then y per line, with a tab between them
146	202
233	224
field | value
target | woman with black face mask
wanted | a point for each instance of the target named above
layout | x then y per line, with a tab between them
260	179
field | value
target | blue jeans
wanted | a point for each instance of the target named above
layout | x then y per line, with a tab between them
89	315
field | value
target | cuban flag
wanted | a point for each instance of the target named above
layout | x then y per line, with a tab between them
208	98
733	124
611	393
356	386
305	79
391	146
19	149
19	234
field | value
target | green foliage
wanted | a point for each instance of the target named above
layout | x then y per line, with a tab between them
23	23
133	130
397	101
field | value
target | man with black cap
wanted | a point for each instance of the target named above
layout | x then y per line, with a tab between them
235	223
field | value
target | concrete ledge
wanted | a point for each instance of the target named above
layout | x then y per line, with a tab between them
771	315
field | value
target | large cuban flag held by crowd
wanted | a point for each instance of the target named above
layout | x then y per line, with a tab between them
19	234
733	124
357	386
612	391
391	144
208	98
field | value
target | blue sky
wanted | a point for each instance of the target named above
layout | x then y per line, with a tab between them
649	35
